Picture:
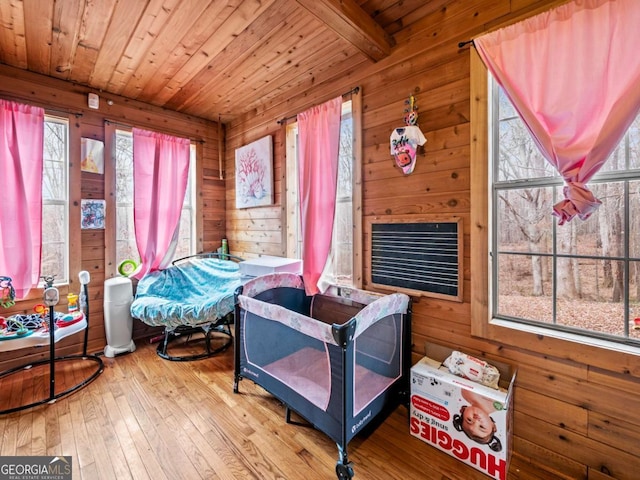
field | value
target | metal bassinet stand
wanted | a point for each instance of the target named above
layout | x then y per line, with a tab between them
51	298
221	327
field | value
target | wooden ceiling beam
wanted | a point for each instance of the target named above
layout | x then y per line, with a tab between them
351	22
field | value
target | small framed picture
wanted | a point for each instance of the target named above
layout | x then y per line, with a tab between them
92	156
92	214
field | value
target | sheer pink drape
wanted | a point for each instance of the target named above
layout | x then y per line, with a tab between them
160	172
21	162
318	148
573	75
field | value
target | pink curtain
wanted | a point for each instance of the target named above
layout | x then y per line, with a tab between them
573	75
21	163
318	148
160	171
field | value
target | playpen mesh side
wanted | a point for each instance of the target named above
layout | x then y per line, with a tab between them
294	357
378	360
294	350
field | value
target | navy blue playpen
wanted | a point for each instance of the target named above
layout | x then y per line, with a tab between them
340	360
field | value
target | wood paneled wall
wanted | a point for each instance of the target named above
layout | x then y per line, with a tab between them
574	417
94	250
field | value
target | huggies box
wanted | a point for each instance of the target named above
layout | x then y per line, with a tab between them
465	419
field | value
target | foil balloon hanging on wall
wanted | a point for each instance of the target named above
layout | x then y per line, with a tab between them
406	140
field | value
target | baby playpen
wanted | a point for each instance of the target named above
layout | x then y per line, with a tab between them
339	360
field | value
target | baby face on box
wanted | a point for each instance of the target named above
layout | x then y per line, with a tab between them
471	426
475	419
468	412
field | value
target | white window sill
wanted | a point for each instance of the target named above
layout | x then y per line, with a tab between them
569	337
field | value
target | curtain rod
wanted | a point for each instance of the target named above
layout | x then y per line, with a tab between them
131	127
282	121
56	111
462	44
47	109
117	124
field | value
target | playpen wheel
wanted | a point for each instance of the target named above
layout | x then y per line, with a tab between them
344	472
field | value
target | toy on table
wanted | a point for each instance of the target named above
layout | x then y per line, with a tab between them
72	300
40	309
7	293
13	327
127	267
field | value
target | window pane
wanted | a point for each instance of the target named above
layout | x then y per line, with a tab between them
634	219
343	247
524	287
617	160
588	281
524	220
603	233
124	167
186	233
183	249
634	301
627	154
54	234
126	247
55	200
345	165
520	158
54	182
505	108
634	144
53	261
593	297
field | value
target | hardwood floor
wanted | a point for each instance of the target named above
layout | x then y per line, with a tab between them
149	418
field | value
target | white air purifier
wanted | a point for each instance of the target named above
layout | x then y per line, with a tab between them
118	324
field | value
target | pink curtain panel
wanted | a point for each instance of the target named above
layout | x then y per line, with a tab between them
160	171
573	76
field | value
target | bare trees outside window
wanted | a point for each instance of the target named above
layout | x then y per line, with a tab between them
55	199
581	277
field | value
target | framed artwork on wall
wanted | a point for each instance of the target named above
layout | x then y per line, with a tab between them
254	174
92	155
92	214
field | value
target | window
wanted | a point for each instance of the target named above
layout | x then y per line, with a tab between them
126	247
55	200
343	268
581	278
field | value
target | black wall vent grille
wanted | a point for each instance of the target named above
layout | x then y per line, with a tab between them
420	258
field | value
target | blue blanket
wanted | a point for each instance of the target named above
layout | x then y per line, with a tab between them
195	293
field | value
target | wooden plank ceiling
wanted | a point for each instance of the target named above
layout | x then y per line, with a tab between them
208	58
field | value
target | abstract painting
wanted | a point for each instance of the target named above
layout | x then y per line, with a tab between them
92	212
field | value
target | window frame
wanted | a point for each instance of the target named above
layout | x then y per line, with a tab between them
610	355
65	203
291	237
193	207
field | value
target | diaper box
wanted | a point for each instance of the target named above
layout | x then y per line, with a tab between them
467	420
264	265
